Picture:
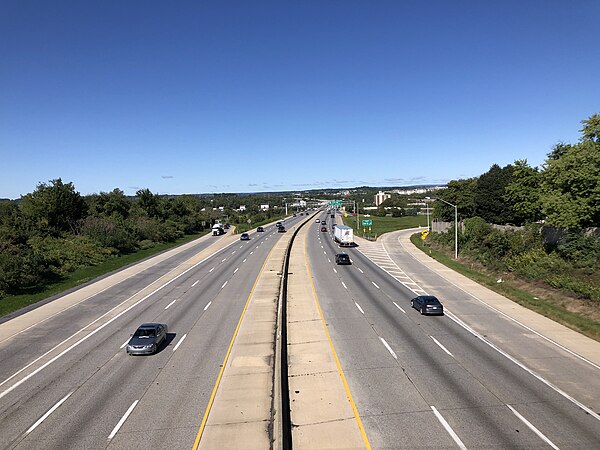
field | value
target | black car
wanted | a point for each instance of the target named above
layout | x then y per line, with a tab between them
427	304
244	237
281	229
324	229
147	339
342	258
278	224
260	229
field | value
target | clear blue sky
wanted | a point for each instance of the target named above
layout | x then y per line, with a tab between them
250	95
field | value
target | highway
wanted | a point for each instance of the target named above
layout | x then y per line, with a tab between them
415	381
426	382
67	382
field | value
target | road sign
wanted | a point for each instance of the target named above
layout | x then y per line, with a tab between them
424	234
367	223
334	203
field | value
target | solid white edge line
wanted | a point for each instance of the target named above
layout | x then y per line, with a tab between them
195	283
224	284
180	341
122	421
521	365
503	353
533	428
512	319
207	305
124	343
129	308
359	308
50	411
388	347
397	306
169	305
441	346
448	428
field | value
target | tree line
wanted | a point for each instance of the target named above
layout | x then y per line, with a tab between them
557	206
54	230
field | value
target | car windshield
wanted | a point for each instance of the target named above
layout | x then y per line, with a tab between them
145	333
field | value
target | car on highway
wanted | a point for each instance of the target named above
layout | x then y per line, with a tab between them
324	229
260	229
281	229
147	339
244	237
318	221
342	258
427	304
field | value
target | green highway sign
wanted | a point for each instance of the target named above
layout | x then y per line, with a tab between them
334	203
367	223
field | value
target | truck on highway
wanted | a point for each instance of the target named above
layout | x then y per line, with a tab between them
217	229
344	235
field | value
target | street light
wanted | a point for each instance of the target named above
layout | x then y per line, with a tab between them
455	223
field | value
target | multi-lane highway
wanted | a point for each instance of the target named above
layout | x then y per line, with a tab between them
413	381
427	381
67	382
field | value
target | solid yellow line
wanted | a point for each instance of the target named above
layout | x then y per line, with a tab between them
337	361
214	391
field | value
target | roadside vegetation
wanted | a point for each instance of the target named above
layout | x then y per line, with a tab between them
54	239
548	257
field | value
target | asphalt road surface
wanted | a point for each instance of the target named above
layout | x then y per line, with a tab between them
67	382
427	382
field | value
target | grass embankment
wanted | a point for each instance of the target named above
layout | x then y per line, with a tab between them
80	276
383	225
542	306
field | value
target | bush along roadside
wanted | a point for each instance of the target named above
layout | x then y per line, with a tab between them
553	303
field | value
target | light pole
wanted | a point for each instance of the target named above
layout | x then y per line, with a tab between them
455	224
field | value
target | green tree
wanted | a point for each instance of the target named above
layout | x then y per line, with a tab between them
54	207
460	193
489	195
591	129
523	194
571	187
110	204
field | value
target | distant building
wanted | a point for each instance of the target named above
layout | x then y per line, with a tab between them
242	208
381	197
264	207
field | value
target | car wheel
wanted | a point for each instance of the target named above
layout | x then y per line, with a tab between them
412	304
422	310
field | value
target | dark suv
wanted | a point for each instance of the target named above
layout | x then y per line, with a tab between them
342	258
